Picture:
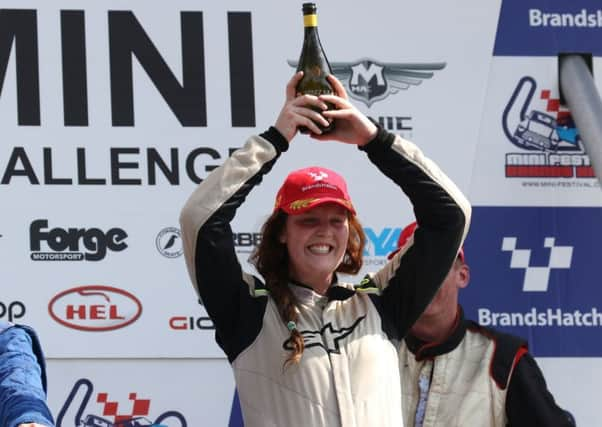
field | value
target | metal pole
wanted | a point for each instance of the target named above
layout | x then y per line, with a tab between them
583	100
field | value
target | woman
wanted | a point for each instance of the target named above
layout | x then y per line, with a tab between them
307	350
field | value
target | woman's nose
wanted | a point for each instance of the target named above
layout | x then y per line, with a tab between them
324	226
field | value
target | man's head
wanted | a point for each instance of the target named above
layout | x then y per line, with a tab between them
407	233
446	298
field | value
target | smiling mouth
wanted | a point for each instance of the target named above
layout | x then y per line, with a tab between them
320	249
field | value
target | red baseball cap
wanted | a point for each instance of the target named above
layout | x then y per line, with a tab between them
307	188
408	232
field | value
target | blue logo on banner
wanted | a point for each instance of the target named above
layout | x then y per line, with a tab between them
536	273
381	242
547	28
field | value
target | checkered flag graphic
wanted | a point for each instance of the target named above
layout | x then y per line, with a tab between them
537	278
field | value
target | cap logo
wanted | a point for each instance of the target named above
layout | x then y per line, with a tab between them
318	176
301	204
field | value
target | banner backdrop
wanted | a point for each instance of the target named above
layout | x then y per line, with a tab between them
184	394
113	111
536	277
538	205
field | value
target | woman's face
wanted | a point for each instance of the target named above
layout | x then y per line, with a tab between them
316	241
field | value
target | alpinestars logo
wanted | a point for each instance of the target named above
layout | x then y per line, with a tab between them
537	278
370	81
328	337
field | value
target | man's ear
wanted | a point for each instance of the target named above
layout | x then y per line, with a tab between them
464	274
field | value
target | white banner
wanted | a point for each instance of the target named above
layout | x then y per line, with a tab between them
182	393
106	135
530	157
112	112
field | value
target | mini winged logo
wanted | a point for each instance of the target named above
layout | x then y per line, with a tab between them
370	81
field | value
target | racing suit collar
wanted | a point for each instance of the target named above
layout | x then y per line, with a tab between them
305	294
336	292
427	350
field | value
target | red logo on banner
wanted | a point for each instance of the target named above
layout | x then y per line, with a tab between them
95	308
133	414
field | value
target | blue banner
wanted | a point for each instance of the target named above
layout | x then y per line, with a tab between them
535	273
549	27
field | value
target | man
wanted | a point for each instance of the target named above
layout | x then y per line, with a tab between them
22	379
458	373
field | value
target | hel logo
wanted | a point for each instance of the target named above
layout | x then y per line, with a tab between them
370	81
95	308
537	278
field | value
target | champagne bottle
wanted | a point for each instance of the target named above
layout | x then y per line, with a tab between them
313	63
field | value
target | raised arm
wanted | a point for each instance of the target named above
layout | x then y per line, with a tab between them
411	279
229	294
224	289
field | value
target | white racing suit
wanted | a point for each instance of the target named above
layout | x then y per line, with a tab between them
348	375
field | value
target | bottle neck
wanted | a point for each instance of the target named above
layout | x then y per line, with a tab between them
310	21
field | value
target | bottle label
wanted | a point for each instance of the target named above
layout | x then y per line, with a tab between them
317	92
310	20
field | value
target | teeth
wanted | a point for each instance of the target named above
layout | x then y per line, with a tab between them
319	249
